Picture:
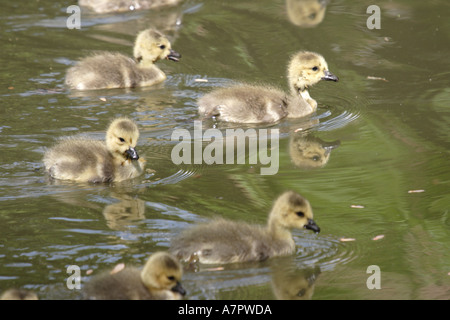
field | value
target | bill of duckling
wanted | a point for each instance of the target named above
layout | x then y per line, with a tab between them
222	241
18	294
106	6
259	104
114	70
86	160
158	280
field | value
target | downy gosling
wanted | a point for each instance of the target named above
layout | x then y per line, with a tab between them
259	104
159	280
222	241
86	160
114	70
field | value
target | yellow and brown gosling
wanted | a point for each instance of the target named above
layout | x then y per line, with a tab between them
222	241
260	104
158	280
114	70
86	160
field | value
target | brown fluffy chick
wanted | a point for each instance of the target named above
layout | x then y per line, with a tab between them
223	241
114	70
260	104
86	160
158	280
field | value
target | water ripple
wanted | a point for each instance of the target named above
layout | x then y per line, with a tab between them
326	252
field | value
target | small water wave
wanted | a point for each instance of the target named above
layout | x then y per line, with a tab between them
331	119
178	176
341	109
323	251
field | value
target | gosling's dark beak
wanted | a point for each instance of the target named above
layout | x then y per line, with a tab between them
331	146
179	288
173	55
312	226
132	154
329	76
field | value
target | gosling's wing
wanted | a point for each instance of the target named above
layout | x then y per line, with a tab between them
244	104
79	160
220	242
103	70
124	285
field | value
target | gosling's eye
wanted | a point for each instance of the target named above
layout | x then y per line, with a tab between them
162	47
171	278
316	158
301	293
300	214
121	139
315	69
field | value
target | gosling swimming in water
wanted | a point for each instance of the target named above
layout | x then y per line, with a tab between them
159	280
86	160
259	104
223	241
114	70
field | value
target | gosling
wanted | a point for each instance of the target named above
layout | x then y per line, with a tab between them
114	70
158	280
222	241
85	160
259	104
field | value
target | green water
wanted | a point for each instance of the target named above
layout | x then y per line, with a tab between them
392	131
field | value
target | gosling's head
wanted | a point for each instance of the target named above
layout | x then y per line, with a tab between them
162	273
306	69
291	210
151	45
121	138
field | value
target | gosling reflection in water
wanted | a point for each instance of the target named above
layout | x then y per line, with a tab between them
292	283
309	152
120	211
115	6
128	210
306	13
18	294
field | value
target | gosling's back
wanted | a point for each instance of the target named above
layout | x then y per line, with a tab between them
111	70
223	241
80	159
245	104
158	280
124	285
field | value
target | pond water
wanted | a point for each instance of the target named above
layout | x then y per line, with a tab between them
386	185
